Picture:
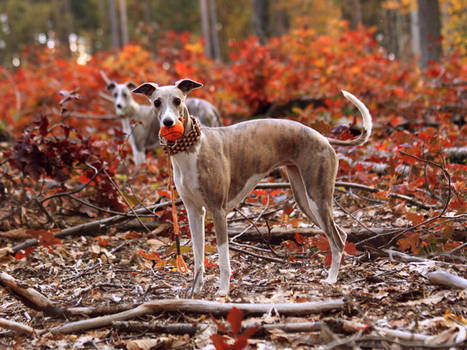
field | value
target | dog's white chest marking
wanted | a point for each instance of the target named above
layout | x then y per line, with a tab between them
186	176
126	126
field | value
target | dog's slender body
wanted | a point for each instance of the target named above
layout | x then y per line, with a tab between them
226	163
144	135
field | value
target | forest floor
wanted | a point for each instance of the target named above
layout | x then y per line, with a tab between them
380	291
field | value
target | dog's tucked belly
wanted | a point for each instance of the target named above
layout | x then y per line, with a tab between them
239	196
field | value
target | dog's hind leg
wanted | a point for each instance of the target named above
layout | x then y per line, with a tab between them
196	220
220	226
320	212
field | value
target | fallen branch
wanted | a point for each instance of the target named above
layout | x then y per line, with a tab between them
99	310
191	329
93	116
16	327
406	339
278	234
198	306
93	226
158	327
447	279
356	186
30	296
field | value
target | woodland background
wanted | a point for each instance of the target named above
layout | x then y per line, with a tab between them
92	233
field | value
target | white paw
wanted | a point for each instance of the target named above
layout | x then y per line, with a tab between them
198	285
329	280
222	292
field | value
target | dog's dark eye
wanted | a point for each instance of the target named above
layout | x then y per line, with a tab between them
157	103
115	95
124	95
177	101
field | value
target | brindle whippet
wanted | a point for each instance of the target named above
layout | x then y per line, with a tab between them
224	164
142	138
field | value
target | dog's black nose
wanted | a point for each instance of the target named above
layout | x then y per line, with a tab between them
168	122
119	106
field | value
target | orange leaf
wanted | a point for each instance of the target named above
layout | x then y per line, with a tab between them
414	218
410	241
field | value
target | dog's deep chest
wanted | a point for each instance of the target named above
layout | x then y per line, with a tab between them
186	177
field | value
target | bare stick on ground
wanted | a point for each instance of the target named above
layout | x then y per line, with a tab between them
447	279
30	296
16	327
198	306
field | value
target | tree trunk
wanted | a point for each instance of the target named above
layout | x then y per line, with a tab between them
261	19
352	11
114	24
205	24
63	23
414	29
213	30
429	20
124	22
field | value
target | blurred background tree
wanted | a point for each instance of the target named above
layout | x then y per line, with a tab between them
83	27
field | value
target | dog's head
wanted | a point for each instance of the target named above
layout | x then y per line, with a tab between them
121	94
168	102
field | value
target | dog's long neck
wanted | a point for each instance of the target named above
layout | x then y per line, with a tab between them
133	111
188	122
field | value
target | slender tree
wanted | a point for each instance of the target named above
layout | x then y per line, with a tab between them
429	20
123	22
213	30
205	24
63	20
114	24
261	19
209	25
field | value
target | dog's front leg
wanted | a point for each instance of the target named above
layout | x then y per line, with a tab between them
220	226
196	220
139	157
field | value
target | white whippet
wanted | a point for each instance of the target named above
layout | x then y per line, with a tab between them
215	168
142	137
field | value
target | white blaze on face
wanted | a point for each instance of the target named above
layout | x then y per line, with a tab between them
168	102
122	99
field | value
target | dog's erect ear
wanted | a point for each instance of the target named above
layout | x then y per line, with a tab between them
146	89
186	85
110	86
130	85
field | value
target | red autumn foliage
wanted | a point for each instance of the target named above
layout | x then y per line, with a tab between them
234	318
421	113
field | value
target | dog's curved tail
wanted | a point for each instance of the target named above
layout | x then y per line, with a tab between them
367	123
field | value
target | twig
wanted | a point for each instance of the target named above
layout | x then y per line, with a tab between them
257	255
106	96
252	223
446	204
90	226
126	201
353	217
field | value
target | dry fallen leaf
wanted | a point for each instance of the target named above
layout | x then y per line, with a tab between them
6	253
147	343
